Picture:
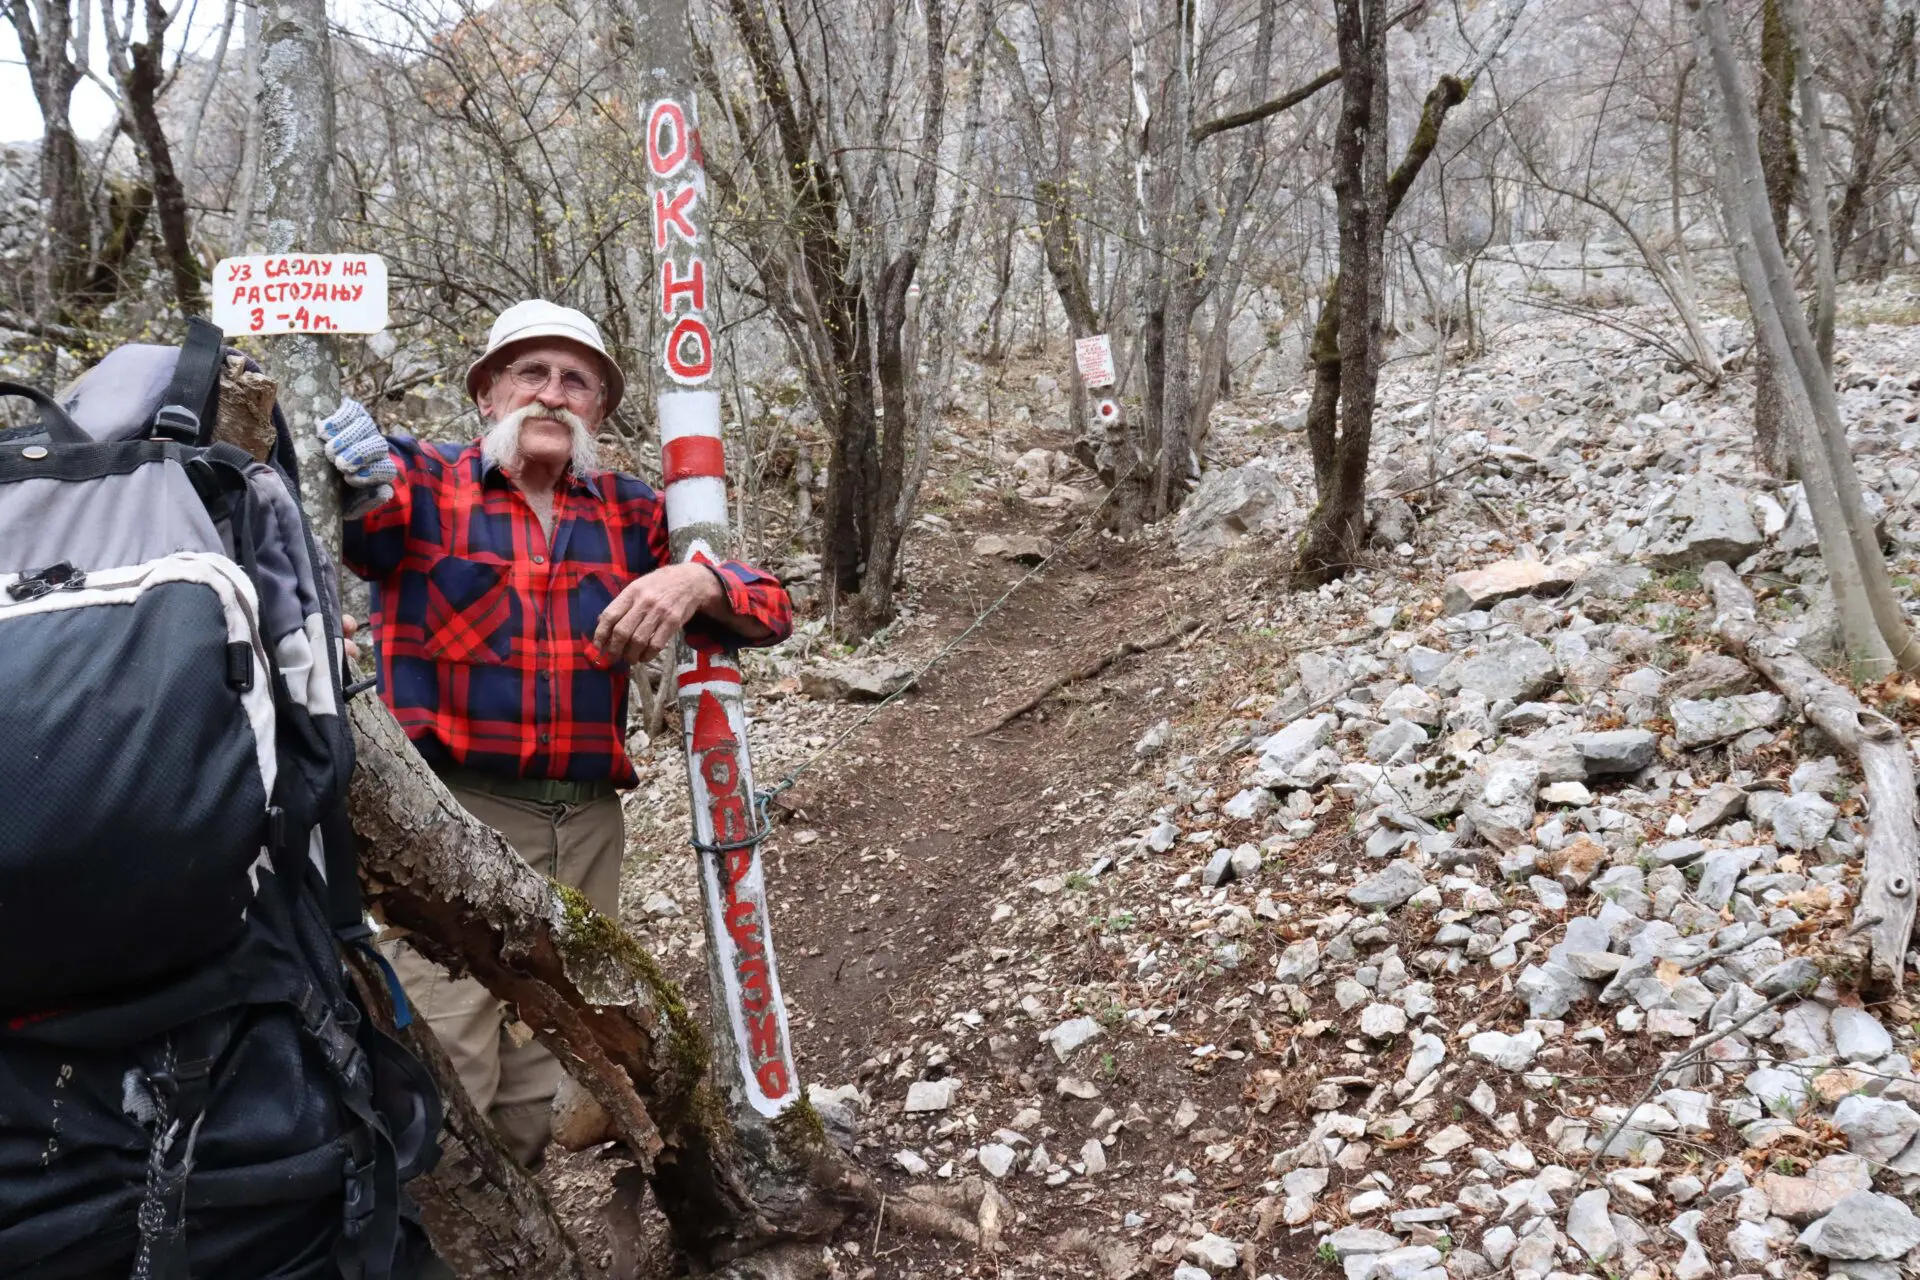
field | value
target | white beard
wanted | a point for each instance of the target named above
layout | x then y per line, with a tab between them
501	444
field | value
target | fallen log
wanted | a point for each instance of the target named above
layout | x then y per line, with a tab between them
1886	762
1125	649
600	1003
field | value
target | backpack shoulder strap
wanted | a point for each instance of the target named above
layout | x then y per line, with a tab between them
187	409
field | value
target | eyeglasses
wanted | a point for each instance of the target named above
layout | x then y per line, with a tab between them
534	375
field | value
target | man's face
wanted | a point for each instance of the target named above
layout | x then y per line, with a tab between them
554	374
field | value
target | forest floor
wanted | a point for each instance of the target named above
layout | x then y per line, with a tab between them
1026	910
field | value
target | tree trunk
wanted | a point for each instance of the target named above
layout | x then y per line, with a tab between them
597	1000
297	124
60	257
1340	415
1870	616
1866	134
139	69
1813	132
1893	845
1779	168
890	505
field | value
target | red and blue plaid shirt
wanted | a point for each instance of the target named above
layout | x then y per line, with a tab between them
484	629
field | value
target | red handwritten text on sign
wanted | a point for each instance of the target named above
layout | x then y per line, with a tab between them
300	293
716	748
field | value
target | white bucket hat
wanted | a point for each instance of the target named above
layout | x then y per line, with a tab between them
538	318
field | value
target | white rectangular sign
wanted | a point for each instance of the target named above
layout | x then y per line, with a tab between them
1095	357
300	293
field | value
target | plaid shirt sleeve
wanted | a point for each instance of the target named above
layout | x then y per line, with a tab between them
484	626
751	593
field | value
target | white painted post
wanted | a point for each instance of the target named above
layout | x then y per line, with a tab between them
750	1020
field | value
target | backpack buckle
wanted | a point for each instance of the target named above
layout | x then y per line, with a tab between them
176	422
55	577
357	1199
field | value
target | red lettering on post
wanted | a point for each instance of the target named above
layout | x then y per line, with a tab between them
773	1079
674	213
667	117
690	331
672	286
763	1037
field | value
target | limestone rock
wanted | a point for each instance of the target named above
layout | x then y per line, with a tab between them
1501	801
1503	580
1701	723
1516	668
1230	506
1865	1225
1708	520
1824	1186
1027	548
856	680
1616	750
1389	887
1803	821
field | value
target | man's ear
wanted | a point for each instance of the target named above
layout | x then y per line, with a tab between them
484	400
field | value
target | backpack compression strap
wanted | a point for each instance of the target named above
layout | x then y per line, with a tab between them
187	411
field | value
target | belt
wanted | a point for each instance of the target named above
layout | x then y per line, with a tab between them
538	790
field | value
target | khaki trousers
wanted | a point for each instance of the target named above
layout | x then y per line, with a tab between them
579	845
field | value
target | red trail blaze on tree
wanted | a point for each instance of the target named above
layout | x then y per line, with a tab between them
746	981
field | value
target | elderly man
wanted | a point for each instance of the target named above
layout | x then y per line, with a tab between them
513	584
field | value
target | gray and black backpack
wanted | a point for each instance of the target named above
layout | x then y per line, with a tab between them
189	1085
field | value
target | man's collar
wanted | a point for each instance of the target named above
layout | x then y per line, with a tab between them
491	473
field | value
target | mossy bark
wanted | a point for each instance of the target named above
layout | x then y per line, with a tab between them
1346	365
597	1000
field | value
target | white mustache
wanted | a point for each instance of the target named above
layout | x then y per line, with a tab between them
501	444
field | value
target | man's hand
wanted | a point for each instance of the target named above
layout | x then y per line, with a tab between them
645	617
349	628
359	452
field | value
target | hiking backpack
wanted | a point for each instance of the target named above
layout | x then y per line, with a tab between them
189	1085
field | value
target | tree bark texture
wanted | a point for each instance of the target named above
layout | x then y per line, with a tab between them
141	73
1847	542
1779	167
1813	132
46	32
1867	129
1340	414
1893	842
296	176
896	360
597	1000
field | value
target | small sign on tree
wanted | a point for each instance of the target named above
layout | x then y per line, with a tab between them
268	293
1095	357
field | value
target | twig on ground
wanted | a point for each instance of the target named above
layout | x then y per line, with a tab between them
1689	1054
1090	670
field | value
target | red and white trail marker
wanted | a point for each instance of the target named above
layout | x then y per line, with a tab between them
712	713
1094	357
1106	410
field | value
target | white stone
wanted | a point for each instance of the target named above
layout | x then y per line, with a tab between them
1214	1252
1858	1035
1589	1226
931	1095
1070	1035
1508	1052
1382	1021
996	1158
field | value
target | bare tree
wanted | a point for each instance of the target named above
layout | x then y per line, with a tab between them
53	37
139	68
1876	632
